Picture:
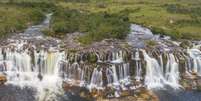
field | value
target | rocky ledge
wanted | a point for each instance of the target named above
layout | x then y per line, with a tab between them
140	94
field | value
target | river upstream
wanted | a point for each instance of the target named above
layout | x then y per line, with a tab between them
37	67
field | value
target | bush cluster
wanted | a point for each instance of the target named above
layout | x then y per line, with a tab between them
96	26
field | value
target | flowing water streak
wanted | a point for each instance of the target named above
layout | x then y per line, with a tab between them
195	55
117	57
161	63
114	74
172	71
137	59
154	76
96	79
25	66
20	72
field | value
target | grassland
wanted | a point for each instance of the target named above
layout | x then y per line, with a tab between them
177	18
16	15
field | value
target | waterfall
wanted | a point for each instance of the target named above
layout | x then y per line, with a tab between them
195	55
96	79
44	68
124	72
161	63
75	74
26	65
117	57
138	66
188	66
172	71
112	76
20	71
154	76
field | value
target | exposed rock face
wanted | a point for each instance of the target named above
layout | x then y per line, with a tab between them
108	94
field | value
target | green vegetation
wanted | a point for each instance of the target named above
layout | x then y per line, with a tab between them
100	19
16	15
92	58
177	18
96	26
151	43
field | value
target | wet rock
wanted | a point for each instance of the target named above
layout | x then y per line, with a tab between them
66	86
97	93
140	96
3	79
186	44
125	93
14	93
198	82
145	95
81	92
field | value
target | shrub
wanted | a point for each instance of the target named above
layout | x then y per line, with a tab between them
96	26
172	32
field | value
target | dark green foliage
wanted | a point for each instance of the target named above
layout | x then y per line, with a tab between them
92	58
173	32
176	8
179	9
96	26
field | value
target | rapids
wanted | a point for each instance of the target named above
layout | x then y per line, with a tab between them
35	63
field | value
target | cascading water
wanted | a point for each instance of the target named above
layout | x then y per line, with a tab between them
124	71
137	59
46	67
172	71
21	72
96	79
154	76
27	66
118	72
112	75
195	55
117	57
